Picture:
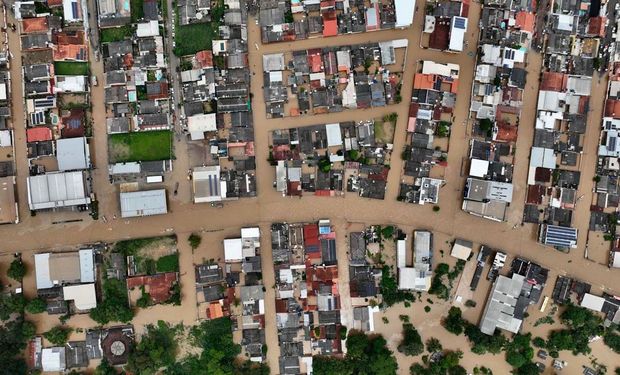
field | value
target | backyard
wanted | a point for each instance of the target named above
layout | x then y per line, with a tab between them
70	68
140	146
151	255
196	37
115	34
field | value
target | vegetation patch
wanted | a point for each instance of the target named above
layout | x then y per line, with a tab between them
366	354
140	146
70	68
412	341
137	10
195	37
115	304
115	34
443	273
168	263
389	289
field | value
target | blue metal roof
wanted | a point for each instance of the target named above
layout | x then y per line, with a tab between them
459	23
560	236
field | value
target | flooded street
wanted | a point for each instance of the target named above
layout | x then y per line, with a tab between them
36	233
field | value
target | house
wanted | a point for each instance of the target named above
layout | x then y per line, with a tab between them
461	249
53	359
83	296
143	203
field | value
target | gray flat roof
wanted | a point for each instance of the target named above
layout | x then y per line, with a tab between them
143	203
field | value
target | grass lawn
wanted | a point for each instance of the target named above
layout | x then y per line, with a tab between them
140	146
198	36
168	263
70	68
115	34
137	10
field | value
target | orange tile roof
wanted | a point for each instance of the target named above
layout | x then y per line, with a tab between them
455	86
33	25
70	51
52	3
215	310
526	21
423	81
553	81
205	59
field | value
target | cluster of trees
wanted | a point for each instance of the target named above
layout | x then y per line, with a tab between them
219	353
445	363
115	304
612	339
58	335
519	352
412	341
581	324
442	272
366	355
156	350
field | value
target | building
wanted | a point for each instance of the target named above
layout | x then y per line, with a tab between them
9	213
57	269
58	190
53	359
461	249
72	154
557	236
83	296
143	203
419	276
404	13
207	185
501	305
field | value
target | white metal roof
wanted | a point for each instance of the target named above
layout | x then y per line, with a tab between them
457	33
334	137
83	296
87	266
233	250
404	12
201	123
401	253
616	260
145	29
206	184
125	168
253	232
143	203
42	271
461	249
592	302
53	359
479	168
72	154
5	138
56	190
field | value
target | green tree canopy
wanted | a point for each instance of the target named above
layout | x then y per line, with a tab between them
454	321
115	305
194	240
36	306
58	335
412	341
518	351
157	349
17	270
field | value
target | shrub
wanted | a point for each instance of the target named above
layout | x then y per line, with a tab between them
427	309
470	303
194	240
17	270
58	335
36	306
412	342
436	208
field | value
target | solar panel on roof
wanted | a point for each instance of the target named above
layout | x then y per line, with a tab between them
459	23
74	9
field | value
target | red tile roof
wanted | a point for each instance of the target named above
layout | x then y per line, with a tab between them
205	59
612	108
34	25
535	194
526	21
330	24
315	61
159	285
553	81
423	81
39	134
596	26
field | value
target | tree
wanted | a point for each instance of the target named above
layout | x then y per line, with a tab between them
519	352
327	365
539	342
115	305
58	335
17	270
157	349
36	306
529	368
412	342
581	324
612	340
433	345
325	165
447	364
11	304
454	321
105	368
194	240
13	337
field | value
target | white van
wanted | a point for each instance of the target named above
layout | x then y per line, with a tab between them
154	179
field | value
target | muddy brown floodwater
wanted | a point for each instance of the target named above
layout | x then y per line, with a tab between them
40	232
